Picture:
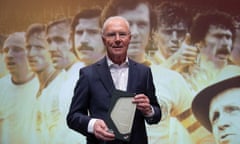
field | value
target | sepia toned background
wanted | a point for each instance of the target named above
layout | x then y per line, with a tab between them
17	15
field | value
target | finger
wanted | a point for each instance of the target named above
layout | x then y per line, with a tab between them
193	54
139	96
108	135
187	39
187	62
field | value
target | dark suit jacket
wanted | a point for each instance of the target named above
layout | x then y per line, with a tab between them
92	96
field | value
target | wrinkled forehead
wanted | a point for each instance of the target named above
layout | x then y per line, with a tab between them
175	26
140	12
59	29
88	23
16	39
226	98
37	36
219	29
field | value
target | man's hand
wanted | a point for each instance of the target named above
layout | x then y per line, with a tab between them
101	131
186	55
143	104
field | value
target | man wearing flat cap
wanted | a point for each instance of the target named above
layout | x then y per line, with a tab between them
217	108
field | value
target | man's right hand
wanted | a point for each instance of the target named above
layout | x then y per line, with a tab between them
186	55
101	131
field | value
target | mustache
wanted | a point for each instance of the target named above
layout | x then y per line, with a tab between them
85	47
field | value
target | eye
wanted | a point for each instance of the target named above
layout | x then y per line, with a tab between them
49	40
110	34
167	31
17	49
215	117
122	34
231	109
142	24
58	39
28	47
79	32
228	37
5	50
92	32
38	47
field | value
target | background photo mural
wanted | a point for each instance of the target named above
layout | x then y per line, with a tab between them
191	46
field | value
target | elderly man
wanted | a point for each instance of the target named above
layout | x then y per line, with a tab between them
217	108
93	92
142	21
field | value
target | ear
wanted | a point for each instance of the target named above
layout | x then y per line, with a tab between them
104	40
130	37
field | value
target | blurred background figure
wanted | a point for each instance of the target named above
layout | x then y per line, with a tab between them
60	44
221	112
235	54
86	36
47	109
213	33
63	57
18	91
174	22
3	69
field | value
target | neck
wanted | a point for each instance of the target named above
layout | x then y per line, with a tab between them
118	59
43	76
72	60
22	79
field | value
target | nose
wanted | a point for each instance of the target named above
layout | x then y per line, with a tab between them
32	51
174	37
53	46
117	37
84	37
223	123
226	43
9	54
134	30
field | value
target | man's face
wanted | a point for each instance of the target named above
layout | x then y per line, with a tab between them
172	37
224	115
116	38
139	20
58	38
38	55
217	45
88	42
15	54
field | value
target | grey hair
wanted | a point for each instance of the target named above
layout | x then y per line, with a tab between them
114	17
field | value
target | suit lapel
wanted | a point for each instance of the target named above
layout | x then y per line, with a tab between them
105	75
132	76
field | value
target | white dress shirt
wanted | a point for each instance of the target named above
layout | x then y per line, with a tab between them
119	75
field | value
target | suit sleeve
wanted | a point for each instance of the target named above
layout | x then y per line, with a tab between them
153	100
